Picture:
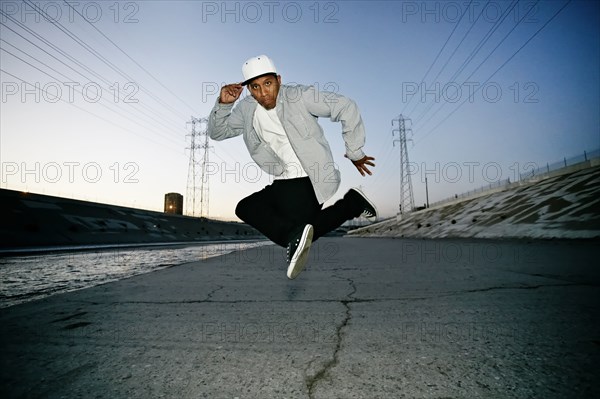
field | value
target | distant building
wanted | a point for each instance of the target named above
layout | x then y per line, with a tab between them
174	203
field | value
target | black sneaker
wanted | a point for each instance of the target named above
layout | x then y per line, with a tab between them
297	251
369	210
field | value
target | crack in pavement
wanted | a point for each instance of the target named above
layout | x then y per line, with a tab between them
346	301
323	373
575	279
521	287
210	294
311	382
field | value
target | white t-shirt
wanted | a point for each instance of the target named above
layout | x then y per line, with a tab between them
269	128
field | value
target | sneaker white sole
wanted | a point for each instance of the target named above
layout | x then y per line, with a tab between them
369	218
301	256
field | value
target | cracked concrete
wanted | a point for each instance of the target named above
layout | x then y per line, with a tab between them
323	373
368	318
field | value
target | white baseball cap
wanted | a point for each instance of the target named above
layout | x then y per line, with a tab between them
257	66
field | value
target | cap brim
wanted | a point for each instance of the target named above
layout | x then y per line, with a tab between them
245	83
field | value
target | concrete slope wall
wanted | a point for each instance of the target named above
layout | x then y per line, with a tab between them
565	206
32	220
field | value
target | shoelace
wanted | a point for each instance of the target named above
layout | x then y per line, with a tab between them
288	249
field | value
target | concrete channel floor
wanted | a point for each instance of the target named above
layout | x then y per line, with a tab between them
368	318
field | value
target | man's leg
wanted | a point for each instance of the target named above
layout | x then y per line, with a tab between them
280	209
258	211
349	207
286	206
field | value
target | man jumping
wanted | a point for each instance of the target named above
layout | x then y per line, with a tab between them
280	129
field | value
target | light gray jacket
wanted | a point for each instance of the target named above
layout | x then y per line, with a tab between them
298	108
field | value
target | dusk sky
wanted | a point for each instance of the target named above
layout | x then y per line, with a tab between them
97	109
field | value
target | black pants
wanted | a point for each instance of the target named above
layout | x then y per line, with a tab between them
284	207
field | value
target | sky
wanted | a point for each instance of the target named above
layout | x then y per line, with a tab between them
97	97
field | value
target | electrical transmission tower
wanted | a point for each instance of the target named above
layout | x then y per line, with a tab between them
407	200
197	193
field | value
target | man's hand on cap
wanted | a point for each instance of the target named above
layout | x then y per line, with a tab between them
230	93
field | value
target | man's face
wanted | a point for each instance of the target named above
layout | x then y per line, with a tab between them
264	89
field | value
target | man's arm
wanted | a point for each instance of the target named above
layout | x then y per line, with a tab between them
222	122
342	109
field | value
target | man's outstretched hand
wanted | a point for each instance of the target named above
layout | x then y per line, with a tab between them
362	164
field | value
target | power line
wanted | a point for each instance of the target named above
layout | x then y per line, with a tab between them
502	41
480	64
418	119
475	51
438	55
71	86
471	56
67	56
499	68
128	56
81	65
86	111
460	43
92	51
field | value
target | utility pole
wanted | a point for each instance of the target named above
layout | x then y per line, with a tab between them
407	201
426	193
197	193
